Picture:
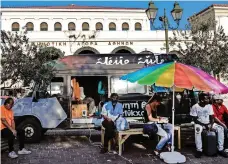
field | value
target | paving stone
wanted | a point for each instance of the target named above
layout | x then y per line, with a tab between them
78	150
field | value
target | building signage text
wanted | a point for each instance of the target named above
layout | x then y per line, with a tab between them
85	43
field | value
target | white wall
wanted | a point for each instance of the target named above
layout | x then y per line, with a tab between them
142	40
223	21
22	16
137	40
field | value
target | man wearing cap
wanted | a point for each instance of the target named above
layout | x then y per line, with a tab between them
219	111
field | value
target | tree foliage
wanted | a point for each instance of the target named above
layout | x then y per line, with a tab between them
23	61
203	45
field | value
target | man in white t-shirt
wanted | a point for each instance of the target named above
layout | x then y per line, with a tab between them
202	114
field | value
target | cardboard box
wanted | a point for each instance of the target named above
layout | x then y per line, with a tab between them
80	110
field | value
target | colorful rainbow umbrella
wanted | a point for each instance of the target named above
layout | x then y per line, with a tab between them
178	75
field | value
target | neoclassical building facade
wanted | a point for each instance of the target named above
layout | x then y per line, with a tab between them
95	30
83	29
99	30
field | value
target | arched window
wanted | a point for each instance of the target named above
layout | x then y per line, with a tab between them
58	26
112	26
71	26
138	26
85	26
99	26
43	26
125	27
15	26
30	26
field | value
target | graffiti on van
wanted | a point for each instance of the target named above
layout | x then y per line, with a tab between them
124	60
133	108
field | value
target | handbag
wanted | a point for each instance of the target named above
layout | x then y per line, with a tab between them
150	129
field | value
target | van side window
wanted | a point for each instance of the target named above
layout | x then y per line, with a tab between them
56	86
124	87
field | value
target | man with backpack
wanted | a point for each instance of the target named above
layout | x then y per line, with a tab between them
221	116
202	114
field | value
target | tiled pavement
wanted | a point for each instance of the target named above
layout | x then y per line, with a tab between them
68	149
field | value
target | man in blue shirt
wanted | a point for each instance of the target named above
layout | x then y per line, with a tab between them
111	111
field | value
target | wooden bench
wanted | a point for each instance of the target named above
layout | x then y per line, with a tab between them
122	136
4	144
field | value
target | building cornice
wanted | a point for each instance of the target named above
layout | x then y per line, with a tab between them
71	8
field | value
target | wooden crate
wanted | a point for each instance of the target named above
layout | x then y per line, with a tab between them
77	110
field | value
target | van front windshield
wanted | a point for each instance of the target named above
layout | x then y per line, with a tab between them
125	87
56	86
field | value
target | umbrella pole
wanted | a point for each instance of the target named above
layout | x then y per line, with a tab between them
173	112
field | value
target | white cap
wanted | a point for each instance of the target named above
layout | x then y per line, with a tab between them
217	97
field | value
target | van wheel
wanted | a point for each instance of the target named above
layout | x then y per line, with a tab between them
32	130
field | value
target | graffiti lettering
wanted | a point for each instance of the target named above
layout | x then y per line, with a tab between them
112	61
120	60
149	60
131	113
131	105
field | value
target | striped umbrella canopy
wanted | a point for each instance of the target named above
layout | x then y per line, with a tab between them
176	74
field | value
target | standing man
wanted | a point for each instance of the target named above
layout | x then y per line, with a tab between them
202	114
219	112
111	111
8	129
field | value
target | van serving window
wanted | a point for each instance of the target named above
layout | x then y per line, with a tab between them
124	87
56	87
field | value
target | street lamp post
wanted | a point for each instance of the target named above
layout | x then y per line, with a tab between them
151	13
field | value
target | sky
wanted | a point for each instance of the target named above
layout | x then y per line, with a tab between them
189	7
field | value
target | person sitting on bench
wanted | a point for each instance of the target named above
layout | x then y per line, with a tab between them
202	114
221	116
151	116
111	111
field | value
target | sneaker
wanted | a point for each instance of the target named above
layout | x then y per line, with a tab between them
104	150
12	154
157	153
112	152
222	153
226	150
168	147
198	154
24	151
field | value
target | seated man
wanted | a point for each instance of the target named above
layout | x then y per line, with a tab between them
220	111
8	129
202	114
111	111
151	116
